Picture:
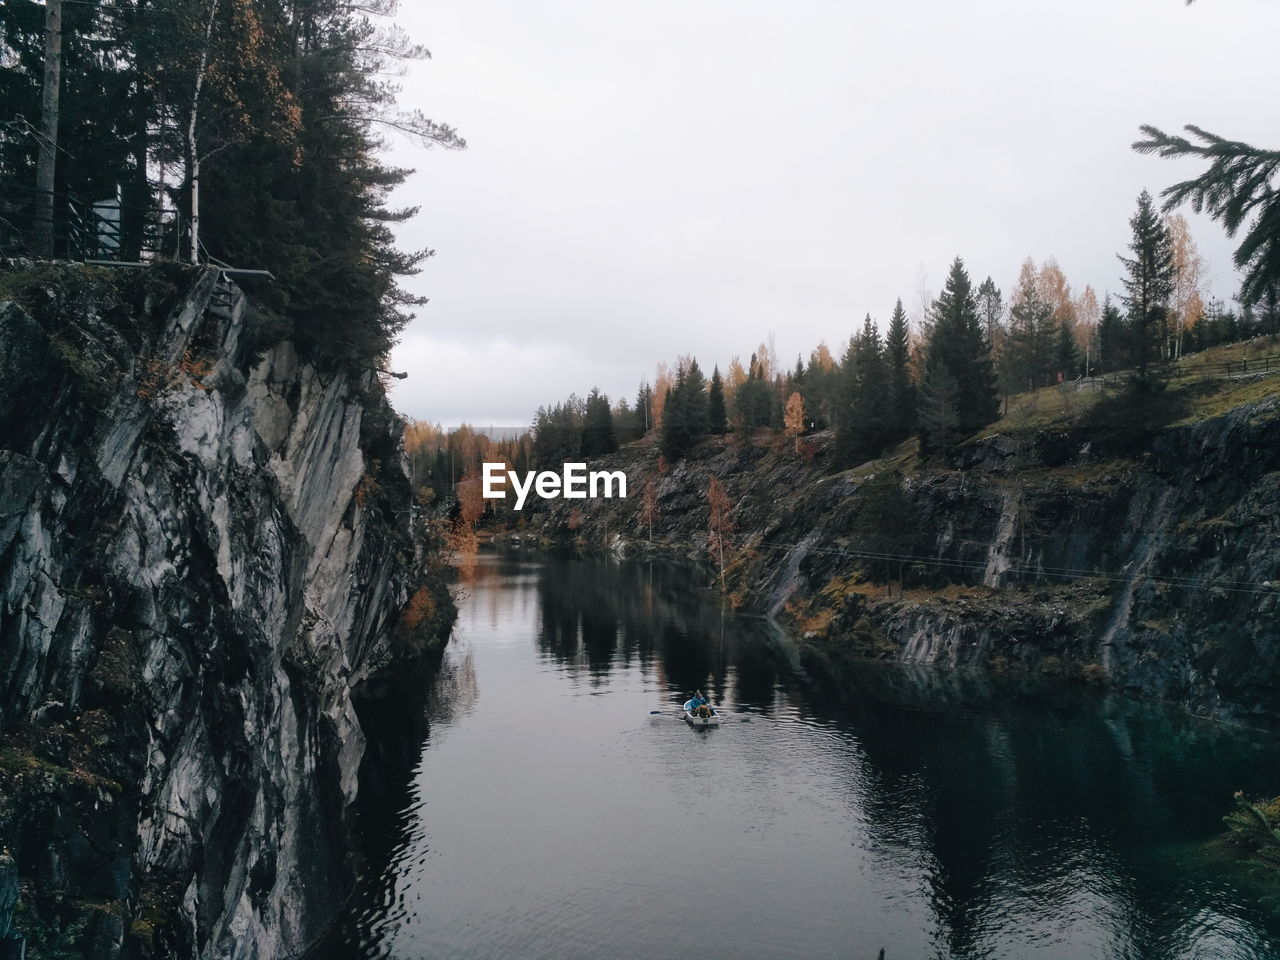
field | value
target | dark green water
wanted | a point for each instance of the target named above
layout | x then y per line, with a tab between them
535	808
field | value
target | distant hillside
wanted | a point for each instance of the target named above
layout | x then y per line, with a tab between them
1085	534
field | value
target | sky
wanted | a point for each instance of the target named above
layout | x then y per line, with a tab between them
644	181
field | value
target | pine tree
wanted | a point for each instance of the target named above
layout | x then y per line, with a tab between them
820	381
697	403
1235	190
598	435
1066	354
957	364
1148	283
754	399
1113	351
685	418
991	310
865	432
717	415
644	407
902	394
274	110
939	427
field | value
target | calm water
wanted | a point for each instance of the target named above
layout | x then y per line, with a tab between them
536	808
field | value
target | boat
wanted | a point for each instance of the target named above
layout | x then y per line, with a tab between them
696	721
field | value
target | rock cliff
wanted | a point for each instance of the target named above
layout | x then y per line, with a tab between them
1148	560
205	547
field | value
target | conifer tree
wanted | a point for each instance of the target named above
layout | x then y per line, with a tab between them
274	110
1113	352
991	310
864	433
1066	354
718	419
1237	189
644	407
598	435
1148	282
939	427
902	394
685	418
958	365
754	399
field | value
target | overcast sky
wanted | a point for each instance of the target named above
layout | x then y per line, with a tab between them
686	176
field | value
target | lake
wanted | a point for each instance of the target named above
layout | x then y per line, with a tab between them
538	807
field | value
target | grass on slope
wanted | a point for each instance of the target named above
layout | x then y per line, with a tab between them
1198	384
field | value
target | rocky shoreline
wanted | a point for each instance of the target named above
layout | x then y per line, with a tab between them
1148	566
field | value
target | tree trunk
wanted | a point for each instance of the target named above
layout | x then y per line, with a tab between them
46	160
137	197
193	154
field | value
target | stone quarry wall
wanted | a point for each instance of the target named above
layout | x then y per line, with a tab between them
204	548
1143	567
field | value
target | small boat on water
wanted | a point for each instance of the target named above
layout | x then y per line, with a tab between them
700	716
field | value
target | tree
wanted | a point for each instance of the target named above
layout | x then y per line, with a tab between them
719	525
885	524
958	366
276	109
1113	347
1066	355
471	501
1026	360
1185	305
685	421
991	310
1148	282
47	162
557	433
1235	190
821	380
793	420
598	436
1088	315
662	383
649	507
902	394
864	432
754	401
644	407
939	426
717	415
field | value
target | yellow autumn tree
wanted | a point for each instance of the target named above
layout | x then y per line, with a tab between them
1088	315
1056	291
1186	305
661	384
793	418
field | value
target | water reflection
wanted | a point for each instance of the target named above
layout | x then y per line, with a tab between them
935	813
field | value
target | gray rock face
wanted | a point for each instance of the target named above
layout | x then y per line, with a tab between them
1158	573
200	560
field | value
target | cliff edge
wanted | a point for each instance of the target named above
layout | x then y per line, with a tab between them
205	549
